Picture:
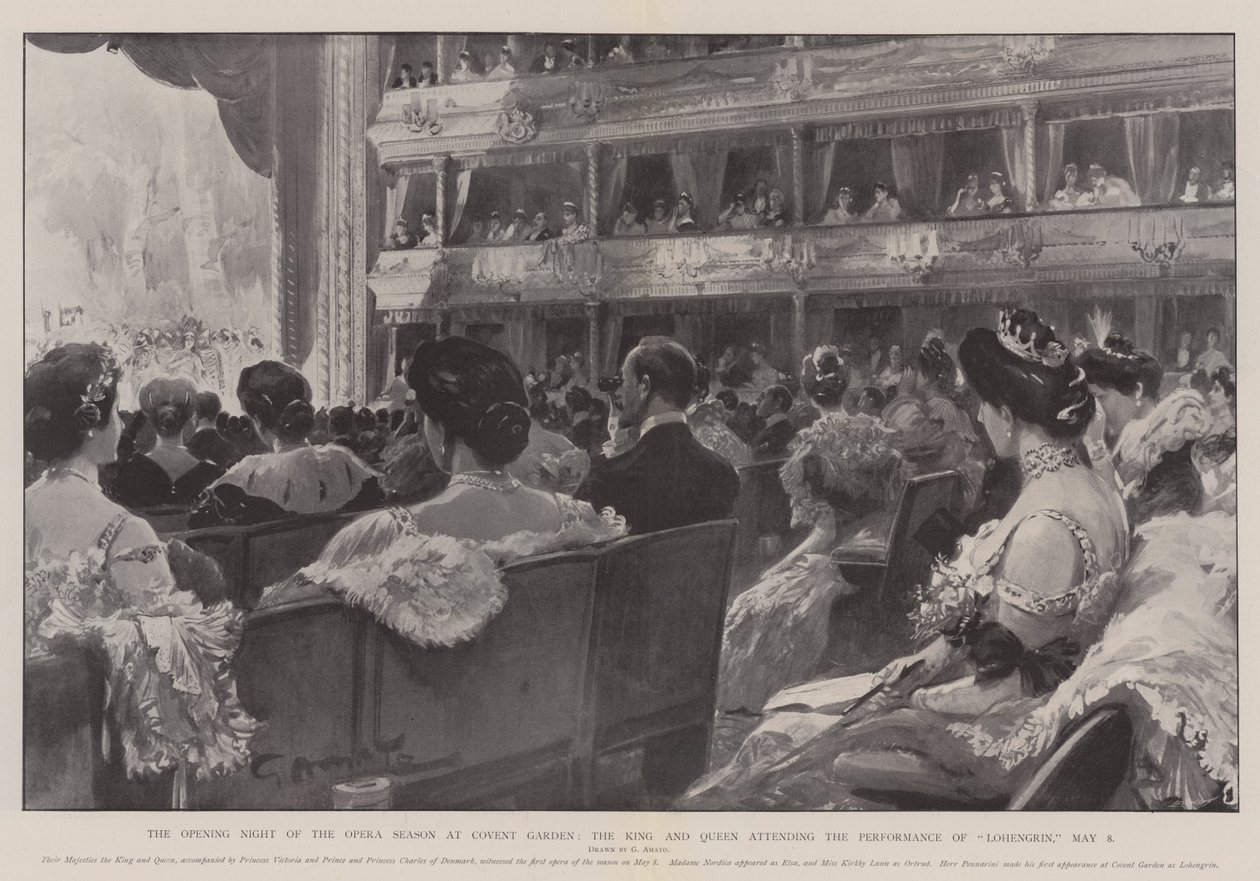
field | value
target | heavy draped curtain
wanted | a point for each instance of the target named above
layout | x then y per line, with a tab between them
1153	143
918	163
609	344
612	169
700	174
818	165
1050	148
1013	155
237	69
457	198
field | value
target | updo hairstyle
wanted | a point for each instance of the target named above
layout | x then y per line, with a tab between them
1023	367
825	379
168	404
279	397
1119	365
67	393
476	394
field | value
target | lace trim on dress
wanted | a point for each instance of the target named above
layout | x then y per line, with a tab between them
434	590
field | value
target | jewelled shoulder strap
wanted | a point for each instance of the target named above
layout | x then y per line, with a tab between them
1078	531
110	533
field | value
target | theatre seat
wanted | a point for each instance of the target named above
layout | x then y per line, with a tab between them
496	722
659	610
62	721
1085	766
761	508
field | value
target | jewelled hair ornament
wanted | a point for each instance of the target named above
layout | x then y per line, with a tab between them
88	413
1051	355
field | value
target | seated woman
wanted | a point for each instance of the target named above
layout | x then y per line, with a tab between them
1003	624
170	474
97	575
429	570
707	418
1147	443
295	478
930	432
839	469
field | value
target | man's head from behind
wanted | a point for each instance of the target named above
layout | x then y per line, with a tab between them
658	376
775	399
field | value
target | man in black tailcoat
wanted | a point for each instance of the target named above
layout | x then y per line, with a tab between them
667	479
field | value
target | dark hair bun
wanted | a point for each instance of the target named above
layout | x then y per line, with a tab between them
825	380
296	421
57	419
1038	387
267	388
501	435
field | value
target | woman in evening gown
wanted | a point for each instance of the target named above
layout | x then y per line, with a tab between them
430	571
97	575
840	469
1000	628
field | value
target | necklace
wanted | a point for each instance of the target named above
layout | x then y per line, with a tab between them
58	470
499	483
1047	457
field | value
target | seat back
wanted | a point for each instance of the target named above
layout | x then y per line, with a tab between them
659	609
166	519
299	669
908	561
62	720
477	722
1085	767
762	506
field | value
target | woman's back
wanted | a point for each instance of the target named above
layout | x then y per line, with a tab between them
468	511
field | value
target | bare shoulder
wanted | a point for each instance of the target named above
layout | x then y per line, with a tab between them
1042	555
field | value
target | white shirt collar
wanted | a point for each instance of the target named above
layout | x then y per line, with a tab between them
673	416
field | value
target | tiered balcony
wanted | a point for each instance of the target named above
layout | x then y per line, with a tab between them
1187	242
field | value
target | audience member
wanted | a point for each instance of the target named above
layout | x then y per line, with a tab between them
428	76
169	474
886	206
777	430
776	210
999	199
295	478
574	230
661	221
548	61
667	479
759	204
206	442
1195	190
841	211
538	231
763	373
463	72
871	401
505	69
683	220
1110	191
736	216
968	202
1225	189
1183	357
1212	359
401	238
517	229
404	80
628	224
573	61
1070	197
1220	399
494	231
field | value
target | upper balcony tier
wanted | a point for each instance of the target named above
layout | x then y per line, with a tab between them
1132	244
936	80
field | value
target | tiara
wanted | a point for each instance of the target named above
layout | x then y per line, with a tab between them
1052	355
100	386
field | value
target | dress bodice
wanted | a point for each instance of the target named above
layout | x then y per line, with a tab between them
707	421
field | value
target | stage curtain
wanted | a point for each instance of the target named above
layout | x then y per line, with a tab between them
819	162
1013	155
237	69
1050	149
700	174
1153	143
918	163
612	173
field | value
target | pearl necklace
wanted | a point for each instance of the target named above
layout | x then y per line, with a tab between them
1047	457
502	483
58	470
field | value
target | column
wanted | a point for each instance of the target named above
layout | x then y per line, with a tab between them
439	197
1145	317
592	341
798	177
1028	186
799	327
592	187
392	364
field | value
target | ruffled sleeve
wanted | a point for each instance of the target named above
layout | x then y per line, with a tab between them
580	525
1177	420
433	590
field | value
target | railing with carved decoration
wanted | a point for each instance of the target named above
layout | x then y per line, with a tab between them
1134	243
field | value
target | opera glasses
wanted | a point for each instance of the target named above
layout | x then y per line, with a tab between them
608	384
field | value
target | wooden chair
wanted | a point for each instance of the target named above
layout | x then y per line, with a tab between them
300	670
659	611
1085	768
498	721
886	572
762	506
63	711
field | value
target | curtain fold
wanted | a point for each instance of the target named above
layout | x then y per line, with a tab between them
700	175
526	339
401	184
448	47
457	199
612	182
609	344
695	331
918	163
237	69
1153	144
1050	149
820	159
1013	155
